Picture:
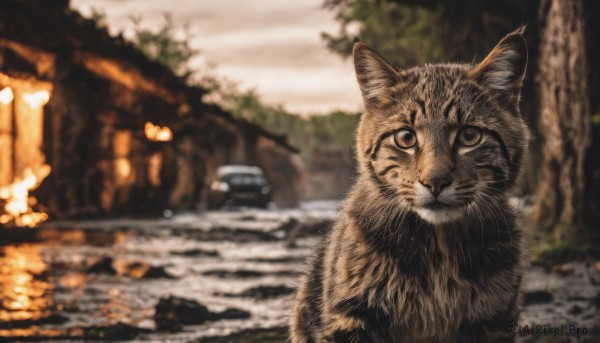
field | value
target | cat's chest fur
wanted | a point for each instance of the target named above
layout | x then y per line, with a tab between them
425	286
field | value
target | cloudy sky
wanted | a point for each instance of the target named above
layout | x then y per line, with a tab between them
272	46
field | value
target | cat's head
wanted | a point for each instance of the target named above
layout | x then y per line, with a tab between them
443	140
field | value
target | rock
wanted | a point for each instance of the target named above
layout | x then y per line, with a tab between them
196	253
173	312
537	297
223	233
157	273
234	313
263	292
575	310
116	332
102	266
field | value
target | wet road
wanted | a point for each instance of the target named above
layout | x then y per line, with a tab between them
99	280
68	277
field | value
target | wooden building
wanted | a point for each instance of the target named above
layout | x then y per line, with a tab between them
91	127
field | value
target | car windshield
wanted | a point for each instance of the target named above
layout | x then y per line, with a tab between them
245	180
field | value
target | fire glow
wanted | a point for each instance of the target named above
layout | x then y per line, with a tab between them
23	166
157	133
6	96
36	99
18	202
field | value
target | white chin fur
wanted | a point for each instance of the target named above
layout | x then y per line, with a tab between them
442	216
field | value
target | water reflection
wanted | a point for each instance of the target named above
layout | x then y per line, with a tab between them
90	284
25	289
48	288
23	286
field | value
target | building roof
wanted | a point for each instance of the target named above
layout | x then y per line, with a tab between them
35	34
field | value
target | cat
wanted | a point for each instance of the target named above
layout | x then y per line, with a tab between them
427	247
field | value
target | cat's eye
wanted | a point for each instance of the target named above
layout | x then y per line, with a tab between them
405	138
470	136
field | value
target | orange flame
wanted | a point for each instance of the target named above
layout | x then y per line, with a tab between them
22	166
18	202
157	133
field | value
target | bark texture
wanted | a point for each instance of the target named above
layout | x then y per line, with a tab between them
564	123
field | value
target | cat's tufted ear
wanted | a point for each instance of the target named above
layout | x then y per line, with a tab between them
504	67
375	76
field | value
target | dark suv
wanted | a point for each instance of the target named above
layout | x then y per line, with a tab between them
238	185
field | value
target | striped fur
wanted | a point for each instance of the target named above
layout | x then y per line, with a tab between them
427	247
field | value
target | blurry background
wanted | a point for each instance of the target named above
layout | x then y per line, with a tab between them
118	222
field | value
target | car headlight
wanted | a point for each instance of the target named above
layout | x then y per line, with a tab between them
220	186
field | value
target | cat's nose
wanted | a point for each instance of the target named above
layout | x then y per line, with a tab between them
436	184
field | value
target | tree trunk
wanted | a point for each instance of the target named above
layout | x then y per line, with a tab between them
565	120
